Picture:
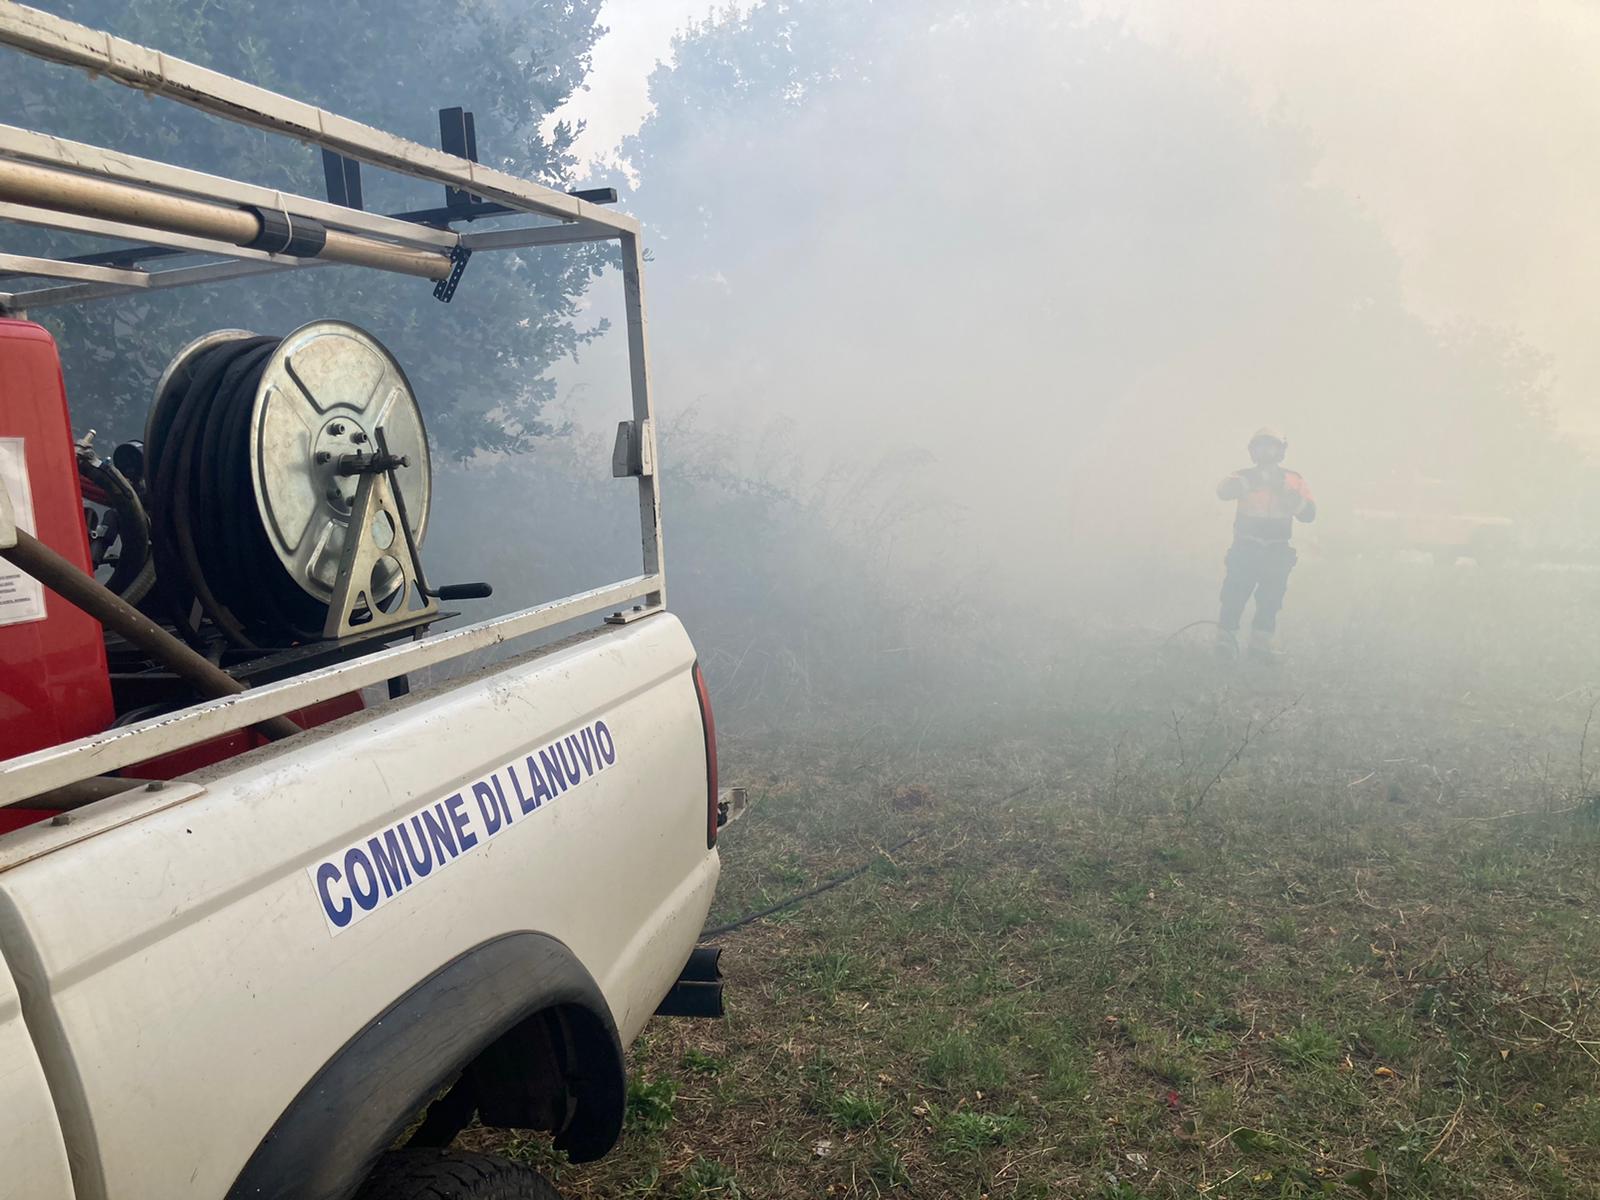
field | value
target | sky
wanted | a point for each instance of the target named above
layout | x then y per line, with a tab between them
1464	128
639	35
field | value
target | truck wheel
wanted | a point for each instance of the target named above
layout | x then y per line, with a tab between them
453	1175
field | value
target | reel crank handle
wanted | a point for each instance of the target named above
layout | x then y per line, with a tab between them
461	591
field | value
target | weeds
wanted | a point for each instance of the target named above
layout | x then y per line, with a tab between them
706	1178
852	1111
701	1063
650	1104
966	1132
1309	1046
1360	963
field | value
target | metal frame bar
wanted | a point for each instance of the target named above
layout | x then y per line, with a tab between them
55	268
643	412
49	37
236	268
59	40
172	277
30	774
535	235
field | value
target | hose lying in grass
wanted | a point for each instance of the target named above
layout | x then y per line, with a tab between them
827	885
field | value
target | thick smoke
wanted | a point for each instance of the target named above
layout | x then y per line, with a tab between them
1076	267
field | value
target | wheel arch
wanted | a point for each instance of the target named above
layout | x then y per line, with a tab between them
506	1015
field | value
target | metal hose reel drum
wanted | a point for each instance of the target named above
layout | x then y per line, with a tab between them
325	392
258	449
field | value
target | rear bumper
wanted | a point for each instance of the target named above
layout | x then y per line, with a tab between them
697	992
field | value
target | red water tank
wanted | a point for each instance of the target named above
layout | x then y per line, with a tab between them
54	685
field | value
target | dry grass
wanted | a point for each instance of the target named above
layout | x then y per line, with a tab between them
1127	959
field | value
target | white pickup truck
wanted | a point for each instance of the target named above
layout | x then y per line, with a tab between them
273	923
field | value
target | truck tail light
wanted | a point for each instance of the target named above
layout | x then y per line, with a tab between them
709	724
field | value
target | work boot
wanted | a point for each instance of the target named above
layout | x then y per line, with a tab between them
1261	648
1227	645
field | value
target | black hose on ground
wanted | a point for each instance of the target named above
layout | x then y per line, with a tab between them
826	886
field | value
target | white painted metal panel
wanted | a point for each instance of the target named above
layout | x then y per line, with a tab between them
192	983
33	1158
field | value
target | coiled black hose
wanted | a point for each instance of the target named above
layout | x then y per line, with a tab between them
213	559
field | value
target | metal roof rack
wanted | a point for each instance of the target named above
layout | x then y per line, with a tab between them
173	215
63	184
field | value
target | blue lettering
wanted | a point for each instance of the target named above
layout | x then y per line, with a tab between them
553	771
541	790
439	831
420	857
523	802
582	747
341	913
602	737
500	791
573	774
488	807
461	820
365	896
386	859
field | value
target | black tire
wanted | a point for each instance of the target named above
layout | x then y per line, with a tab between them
453	1175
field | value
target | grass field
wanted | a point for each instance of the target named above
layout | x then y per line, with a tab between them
1164	929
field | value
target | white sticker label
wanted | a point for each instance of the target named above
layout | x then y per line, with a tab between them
21	595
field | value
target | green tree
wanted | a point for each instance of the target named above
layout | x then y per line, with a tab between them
481	363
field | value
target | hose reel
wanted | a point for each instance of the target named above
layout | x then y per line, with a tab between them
289	483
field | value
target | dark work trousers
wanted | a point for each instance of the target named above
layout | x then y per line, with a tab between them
1259	567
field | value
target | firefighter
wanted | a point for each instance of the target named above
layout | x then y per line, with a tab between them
1270	500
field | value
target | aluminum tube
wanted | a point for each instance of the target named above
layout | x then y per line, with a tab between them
358	251
64	191
111	610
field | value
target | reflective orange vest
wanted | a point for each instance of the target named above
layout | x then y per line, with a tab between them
1270	499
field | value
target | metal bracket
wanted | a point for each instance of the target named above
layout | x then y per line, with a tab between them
375	508
635	452
343	178
628	616
458	135
445	289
